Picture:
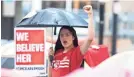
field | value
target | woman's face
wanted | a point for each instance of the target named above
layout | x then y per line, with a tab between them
66	38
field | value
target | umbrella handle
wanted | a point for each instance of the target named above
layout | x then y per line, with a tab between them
55	30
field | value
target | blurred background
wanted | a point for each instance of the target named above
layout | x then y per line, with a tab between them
113	19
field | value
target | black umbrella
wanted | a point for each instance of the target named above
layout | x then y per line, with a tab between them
53	17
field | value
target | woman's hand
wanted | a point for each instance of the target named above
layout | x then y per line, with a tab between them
88	9
51	55
51	52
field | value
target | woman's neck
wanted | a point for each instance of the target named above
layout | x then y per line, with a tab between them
66	49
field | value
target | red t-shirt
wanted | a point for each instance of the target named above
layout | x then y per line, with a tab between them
65	63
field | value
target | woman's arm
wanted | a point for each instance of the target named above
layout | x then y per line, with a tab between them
84	47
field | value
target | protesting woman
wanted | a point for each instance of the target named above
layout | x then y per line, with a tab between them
68	55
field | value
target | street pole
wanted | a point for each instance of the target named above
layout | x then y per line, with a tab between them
36	5
114	30
18	12
114	34
101	23
69	5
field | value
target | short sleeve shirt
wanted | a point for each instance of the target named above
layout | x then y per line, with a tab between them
65	63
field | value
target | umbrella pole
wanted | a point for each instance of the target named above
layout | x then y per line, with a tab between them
49	69
54	30
52	36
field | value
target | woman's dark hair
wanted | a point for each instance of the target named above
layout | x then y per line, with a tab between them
58	44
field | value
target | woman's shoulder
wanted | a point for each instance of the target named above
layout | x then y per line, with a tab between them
78	47
58	51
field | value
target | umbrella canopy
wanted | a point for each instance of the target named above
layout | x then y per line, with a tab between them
53	17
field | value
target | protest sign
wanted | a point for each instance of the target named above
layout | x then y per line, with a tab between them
30	50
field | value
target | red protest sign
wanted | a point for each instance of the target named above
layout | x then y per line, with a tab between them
30	47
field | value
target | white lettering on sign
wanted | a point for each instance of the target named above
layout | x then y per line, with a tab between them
22	36
30	47
23	58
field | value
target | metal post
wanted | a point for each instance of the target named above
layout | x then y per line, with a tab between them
69	5
36	5
114	31
18	12
101	24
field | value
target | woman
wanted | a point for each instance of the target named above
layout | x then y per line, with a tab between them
68	54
